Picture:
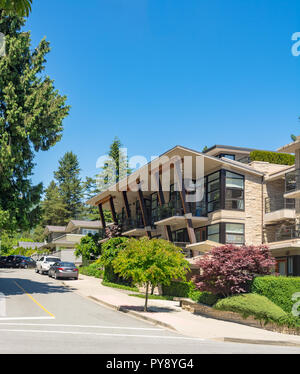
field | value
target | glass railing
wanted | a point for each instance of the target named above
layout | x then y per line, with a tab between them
277	203
168	210
292	181
130	224
287	233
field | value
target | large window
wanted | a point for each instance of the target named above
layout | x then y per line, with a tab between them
227	155
213	233
180	236
234	233
234	191
154	207
213	192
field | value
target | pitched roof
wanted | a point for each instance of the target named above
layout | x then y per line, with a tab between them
32	245
86	224
56	228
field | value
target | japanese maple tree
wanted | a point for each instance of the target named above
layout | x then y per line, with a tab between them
229	269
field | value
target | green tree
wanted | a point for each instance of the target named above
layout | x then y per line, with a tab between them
20	8
70	185
115	167
53	207
151	262
89	247
31	115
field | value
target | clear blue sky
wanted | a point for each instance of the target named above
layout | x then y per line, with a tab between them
158	73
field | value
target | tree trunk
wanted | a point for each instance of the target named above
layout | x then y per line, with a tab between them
146	298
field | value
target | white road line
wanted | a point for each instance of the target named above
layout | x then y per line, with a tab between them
81	326
23	318
102	334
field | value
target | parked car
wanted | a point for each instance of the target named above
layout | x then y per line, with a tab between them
12	260
2	261
43	265
25	263
63	270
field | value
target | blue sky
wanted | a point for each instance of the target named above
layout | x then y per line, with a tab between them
157	73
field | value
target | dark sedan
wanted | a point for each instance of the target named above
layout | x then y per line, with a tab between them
2	261
63	270
25	263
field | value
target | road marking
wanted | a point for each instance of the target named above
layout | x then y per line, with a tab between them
103	334
80	326
33	299
23	318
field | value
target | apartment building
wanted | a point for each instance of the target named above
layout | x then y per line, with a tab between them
61	240
239	202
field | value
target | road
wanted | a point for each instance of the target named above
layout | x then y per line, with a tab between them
43	316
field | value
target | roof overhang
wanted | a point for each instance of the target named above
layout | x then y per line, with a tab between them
204	247
291	147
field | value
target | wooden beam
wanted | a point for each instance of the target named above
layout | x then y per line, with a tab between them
102	216
127	207
144	212
161	200
113	211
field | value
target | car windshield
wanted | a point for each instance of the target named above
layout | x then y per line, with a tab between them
52	259
67	264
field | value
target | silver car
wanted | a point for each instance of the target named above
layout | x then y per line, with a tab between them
63	270
43	265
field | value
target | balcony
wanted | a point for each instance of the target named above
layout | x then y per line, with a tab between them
135	227
287	233
278	208
167	214
292	185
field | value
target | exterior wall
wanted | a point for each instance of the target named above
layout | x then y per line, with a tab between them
67	255
253	209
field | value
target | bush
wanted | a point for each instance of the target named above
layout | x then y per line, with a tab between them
92	270
277	289
120	286
272	157
188	290
260	307
230	269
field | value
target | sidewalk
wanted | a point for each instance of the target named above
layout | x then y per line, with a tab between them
169	314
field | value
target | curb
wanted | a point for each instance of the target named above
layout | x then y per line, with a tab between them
259	342
135	314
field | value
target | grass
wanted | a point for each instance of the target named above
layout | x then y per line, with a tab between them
120	286
257	306
155	297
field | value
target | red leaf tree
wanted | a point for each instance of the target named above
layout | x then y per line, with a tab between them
229	269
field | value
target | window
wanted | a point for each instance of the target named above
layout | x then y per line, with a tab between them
89	231
154	206
290	265
213	192
213	233
227	155
180	236
234	233
234	191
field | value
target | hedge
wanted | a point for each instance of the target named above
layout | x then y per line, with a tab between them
278	289
273	157
92	270
257	306
188	290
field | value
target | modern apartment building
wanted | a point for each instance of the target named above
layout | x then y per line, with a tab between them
198	200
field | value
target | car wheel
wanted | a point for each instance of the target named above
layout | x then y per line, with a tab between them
36	270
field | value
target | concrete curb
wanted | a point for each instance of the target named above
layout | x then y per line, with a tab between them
258	341
135	314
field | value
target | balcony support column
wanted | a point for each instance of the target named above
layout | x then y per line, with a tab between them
144	213
127	207
186	208
113	211
161	200
102	218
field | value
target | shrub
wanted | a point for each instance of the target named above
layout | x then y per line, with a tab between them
92	270
188	290
229	269
273	157
89	247
260	307
277	289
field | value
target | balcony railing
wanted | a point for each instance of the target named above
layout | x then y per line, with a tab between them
167	211
272	204
287	233
130	224
292	181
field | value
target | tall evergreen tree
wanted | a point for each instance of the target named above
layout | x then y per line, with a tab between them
53	207
115	168
31	115
70	185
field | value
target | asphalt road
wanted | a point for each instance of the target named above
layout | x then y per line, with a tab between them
43	316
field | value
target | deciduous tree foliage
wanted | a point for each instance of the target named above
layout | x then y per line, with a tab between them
229	269
89	247
20	8
151	262
31	115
